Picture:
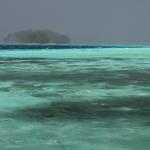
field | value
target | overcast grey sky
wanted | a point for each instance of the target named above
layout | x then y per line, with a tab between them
84	21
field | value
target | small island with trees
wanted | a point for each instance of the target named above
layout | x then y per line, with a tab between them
37	37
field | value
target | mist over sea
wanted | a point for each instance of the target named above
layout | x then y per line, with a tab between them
74	97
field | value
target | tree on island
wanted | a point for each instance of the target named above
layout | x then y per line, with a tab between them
37	36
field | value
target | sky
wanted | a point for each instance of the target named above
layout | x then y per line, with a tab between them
84	21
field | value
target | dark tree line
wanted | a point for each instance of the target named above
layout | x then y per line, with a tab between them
37	36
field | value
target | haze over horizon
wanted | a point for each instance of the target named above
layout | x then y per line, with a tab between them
84	21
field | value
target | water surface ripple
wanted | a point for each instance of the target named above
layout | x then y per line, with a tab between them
69	100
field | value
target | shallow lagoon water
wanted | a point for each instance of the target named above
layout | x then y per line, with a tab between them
85	99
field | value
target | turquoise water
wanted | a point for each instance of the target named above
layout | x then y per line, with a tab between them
75	99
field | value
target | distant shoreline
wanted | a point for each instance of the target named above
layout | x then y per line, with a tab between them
65	46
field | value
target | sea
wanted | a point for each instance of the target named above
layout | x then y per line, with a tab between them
74	97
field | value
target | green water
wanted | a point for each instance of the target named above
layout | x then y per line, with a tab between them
75	99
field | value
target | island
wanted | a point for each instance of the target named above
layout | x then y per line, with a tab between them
37	37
